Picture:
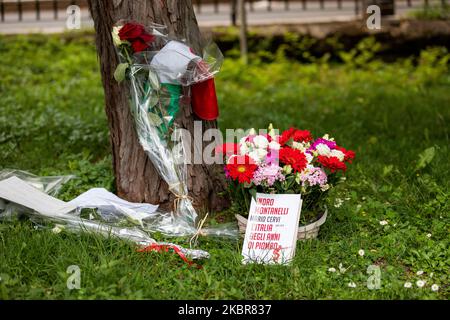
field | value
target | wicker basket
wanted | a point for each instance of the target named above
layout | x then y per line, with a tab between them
309	231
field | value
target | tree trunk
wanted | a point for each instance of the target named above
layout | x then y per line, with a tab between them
136	178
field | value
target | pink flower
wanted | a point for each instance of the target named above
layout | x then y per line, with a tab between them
273	157
313	176
267	175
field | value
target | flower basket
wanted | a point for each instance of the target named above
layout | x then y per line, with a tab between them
310	231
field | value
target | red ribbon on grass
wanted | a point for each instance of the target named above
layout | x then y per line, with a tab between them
165	248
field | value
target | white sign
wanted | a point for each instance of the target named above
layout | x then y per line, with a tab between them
271	234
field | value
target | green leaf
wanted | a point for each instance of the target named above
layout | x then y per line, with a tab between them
153	99
154	119
121	69
154	81
253	193
387	169
425	158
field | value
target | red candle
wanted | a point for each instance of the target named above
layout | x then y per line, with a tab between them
204	100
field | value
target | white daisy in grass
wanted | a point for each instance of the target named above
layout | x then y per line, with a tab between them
361	252
351	285
383	222
434	287
407	285
331	270
428	235
419	273
338	202
420	283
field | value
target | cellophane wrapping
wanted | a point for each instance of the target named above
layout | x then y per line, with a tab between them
159	78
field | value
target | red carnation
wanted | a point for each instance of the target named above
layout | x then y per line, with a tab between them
293	157
349	155
136	35
296	135
286	136
332	163
302	136
241	168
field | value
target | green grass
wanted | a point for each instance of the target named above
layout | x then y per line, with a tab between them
52	122
436	12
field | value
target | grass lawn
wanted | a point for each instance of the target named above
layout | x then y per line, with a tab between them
52	121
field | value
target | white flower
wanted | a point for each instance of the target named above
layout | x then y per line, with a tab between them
420	283
431	275
261	142
299	146
407	285
258	155
338	202
383	222
419	273
115	36
309	158
243	148
331	270
338	154
435	287
341	268
352	285
323	150
325	187
273	145
429	235
361	252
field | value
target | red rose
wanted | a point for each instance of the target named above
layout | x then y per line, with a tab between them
293	157
332	163
136	35
139	45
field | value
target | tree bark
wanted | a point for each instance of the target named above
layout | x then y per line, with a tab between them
136	178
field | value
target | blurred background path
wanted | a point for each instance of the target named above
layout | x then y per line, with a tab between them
28	16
